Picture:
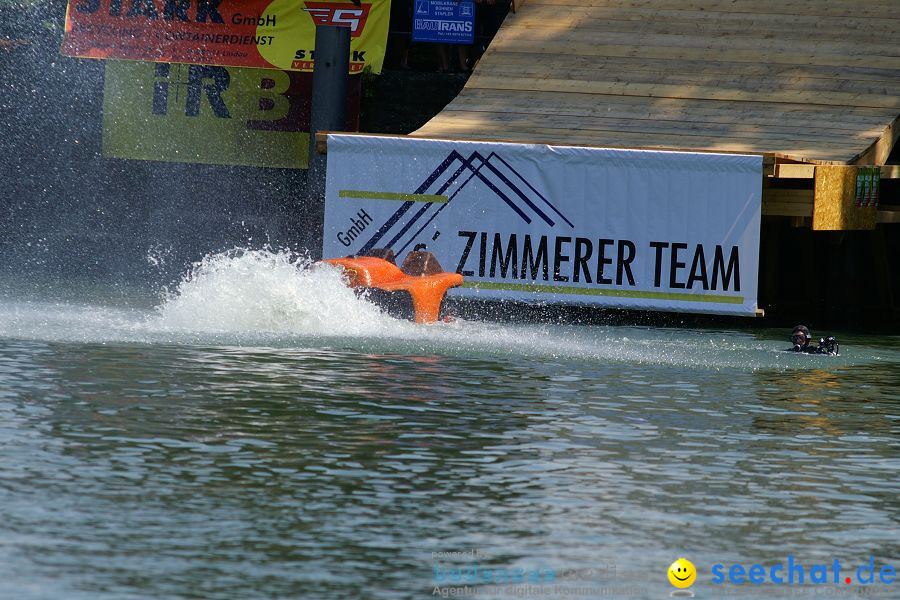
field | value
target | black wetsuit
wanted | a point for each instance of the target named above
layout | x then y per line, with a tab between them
808	349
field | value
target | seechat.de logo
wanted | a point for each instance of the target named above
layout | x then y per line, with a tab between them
795	573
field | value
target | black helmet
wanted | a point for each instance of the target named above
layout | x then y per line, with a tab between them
801	329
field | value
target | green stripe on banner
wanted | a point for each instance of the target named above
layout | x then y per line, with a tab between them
366	195
551	289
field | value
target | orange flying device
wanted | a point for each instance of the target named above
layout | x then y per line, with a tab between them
415	290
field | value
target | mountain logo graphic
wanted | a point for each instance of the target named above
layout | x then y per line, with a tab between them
455	172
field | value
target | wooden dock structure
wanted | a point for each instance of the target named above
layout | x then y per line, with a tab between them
813	82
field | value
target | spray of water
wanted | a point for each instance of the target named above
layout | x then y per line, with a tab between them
267	292
262	297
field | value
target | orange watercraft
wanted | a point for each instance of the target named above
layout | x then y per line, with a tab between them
415	290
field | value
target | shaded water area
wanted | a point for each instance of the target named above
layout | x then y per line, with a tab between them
233	438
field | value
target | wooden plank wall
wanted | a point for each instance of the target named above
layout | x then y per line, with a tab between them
808	80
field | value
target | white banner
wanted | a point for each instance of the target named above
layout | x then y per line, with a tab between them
671	231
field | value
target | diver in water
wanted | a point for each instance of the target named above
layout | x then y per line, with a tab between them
800	338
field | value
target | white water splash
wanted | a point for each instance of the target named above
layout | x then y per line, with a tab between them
277	299
262	291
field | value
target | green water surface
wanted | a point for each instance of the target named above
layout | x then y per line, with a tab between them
146	463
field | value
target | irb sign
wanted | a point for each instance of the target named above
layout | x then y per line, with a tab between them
210	114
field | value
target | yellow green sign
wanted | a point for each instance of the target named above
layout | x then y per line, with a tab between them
206	114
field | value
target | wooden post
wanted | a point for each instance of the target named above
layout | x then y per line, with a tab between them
835	206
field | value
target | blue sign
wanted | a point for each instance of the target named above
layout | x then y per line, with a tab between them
445	21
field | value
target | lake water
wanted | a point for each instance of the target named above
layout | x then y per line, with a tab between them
259	432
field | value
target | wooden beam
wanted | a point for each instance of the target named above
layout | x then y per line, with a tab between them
516	82
539	15
787	203
786	134
838	8
787	171
699	110
880	150
795	171
556	47
888	216
704	67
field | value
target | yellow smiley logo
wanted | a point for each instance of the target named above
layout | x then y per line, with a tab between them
682	573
